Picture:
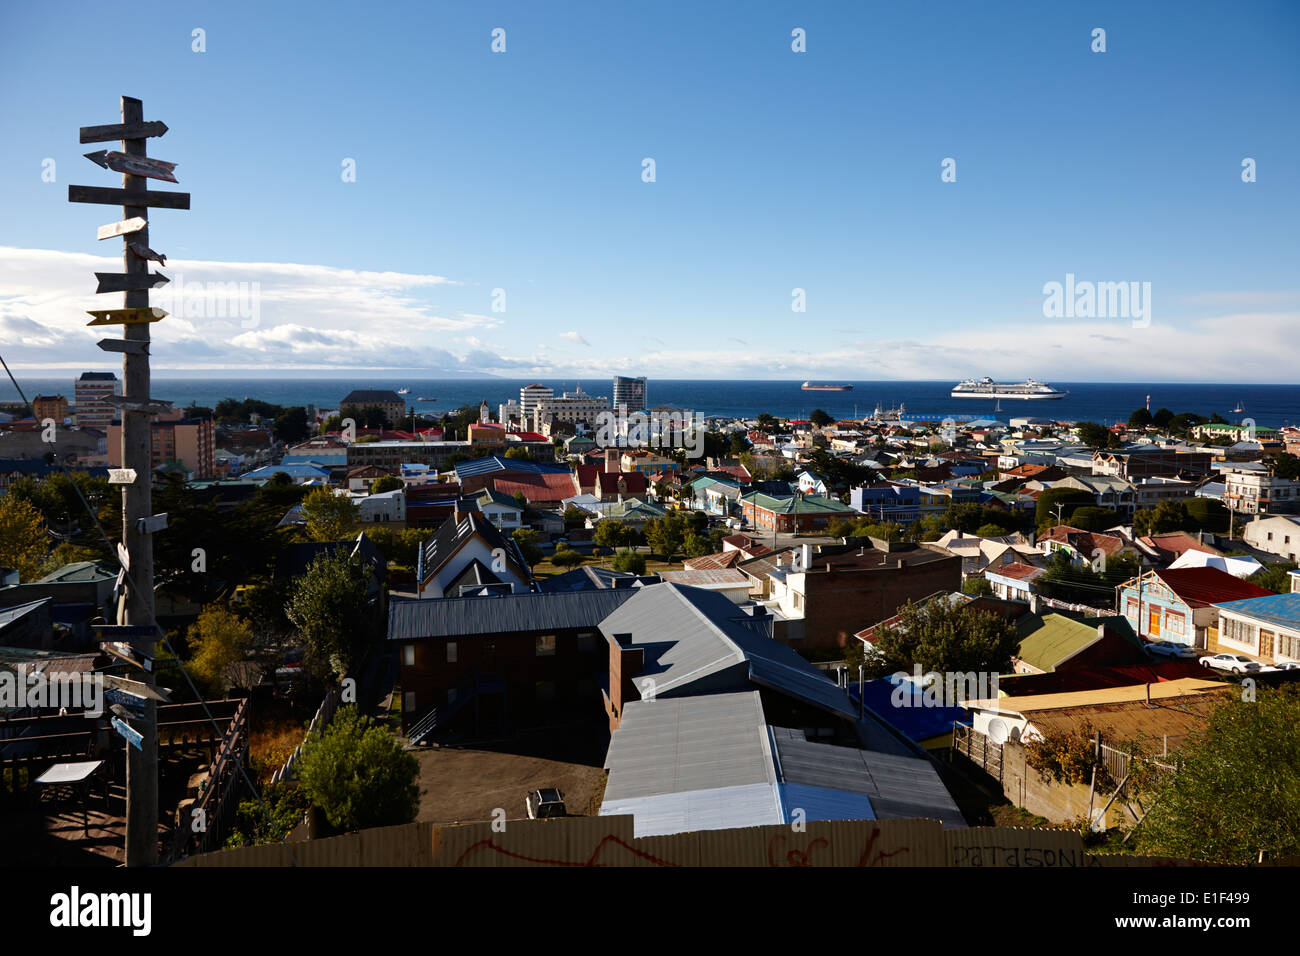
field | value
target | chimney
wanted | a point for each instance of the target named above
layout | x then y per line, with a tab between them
1033	603
805	556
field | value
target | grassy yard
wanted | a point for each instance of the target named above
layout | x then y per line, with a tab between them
653	564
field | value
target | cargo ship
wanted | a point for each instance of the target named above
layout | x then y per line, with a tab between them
1028	390
810	387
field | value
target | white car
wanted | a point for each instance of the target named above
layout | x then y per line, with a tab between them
1171	649
1286	666
1232	663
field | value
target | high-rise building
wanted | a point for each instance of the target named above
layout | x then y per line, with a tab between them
90	394
572	408
190	442
629	393
50	406
529	396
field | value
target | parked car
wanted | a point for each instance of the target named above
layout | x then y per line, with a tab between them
1286	666
1171	649
545	803
1232	663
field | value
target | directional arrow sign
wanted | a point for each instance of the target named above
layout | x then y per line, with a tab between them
102	134
132	704
151	524
121	476
125	316
125	282
122	632
134	224
125	652
159	694
128	346
124	556
150	405
120	197
135	165
128	733
144	252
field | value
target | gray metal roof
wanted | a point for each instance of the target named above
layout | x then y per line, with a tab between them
712	762
414	619
691	635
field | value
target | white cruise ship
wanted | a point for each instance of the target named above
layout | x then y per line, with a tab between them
987	388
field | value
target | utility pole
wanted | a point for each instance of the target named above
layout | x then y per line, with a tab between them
135	614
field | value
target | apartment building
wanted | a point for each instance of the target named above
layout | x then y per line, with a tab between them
90	394
190	442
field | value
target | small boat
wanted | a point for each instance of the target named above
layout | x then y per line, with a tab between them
810	387
1240	408
422	399
403	391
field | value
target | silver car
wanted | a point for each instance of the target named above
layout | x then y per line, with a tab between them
1171	649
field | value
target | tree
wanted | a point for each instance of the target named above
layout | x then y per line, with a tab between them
1207	514
1140	418
820	418
1162	417
520	453
330	609
612	534
220	639
977	585
1234	793
1283	465
739	442
330	517
358	774
766	422
949	638
696	545
1165	517
666	535
386	483
1068	498
566	557
1274	577
630	562
1094	435
1092	518
291	425
23	538
1081	583
527	539
991	531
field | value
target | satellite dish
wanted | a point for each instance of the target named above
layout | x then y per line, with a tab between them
998	730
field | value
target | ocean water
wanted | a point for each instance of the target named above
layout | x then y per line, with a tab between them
1268	405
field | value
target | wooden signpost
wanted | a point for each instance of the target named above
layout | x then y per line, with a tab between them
114	229
136	607
125	316
136	165
120	282
149	405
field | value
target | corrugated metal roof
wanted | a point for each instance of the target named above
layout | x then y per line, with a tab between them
1282	610
726	808
484	466
689	634
415	619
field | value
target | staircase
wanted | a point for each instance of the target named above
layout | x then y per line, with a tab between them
438	716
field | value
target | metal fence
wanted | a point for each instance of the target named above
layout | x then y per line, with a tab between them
324	714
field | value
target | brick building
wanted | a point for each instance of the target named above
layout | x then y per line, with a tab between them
190	442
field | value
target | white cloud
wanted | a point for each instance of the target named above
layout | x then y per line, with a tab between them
574	337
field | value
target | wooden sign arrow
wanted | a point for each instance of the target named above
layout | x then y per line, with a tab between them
120	197
124	556
102	134
152	524
134	224
128	733
125	316
125	652
125	346
150	405
160	694
121	476
134	705
134	165
144	252
127	282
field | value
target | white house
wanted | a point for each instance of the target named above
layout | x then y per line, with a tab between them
1264	627
1276	534
387	506
505	513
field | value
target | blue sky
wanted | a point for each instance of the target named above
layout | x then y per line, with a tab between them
775	170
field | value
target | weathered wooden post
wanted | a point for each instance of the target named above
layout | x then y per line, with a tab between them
139	523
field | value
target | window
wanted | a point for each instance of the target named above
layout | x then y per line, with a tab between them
452	652
1131	609
546	645
408	702
587	642
1174	622
408	655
